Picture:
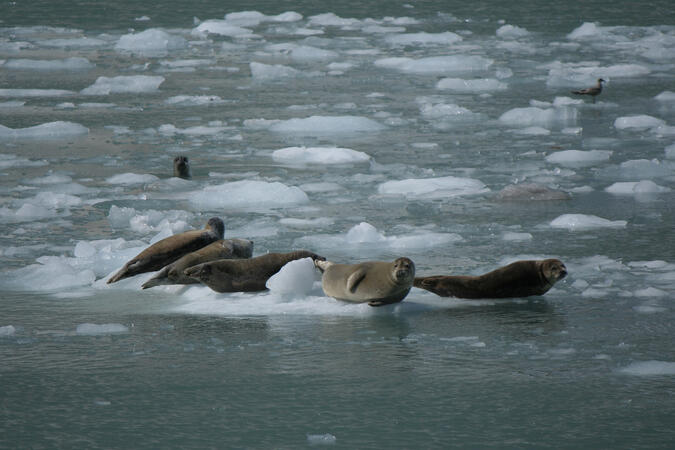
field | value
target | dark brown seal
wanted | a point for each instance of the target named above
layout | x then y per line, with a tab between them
244	275
518	279
170	249
221	249
592	91
181	167
376	282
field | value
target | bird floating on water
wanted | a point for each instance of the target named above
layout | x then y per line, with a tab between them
592	91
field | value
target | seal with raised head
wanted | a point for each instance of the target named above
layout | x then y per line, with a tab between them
244	275
181	167
170	249
376	282
592	91
221	249
518	279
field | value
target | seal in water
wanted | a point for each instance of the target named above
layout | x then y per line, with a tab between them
181	167
518	279
376	282
222	249
170	249
244	275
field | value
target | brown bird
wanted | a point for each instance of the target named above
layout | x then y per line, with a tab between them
592	91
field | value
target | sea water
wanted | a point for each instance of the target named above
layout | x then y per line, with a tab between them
441	131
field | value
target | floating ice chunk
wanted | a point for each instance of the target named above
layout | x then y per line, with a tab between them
142	19
131	178
330	19
423	39
639	169
7	161
254	18
262	72
321	439
221	28
641	121
532	131
294	278
54	272
288	16
26	213
319	155
433	188
566	101
579	158
93	329
67	64
546	118
175	221
670	151
306	223
666	96
322	125
151	42
516	237
194	100
35	93
7	330
448	113
249	194
649	368
364	232
636	187
133	84
302	53
574	222
200	130
580	75
45	131
55	200
436	65
650	292
587	30
511	32
475	86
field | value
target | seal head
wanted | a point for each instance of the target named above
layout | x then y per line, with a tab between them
181	167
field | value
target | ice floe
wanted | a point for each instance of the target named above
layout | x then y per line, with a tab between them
94	329
44	65
296	278
124	84
131	178
433	188
321	125
424	39
263	72
574	222
30	93
471	86
151	42
545	118
436	65
579	158
639	122
636	188
45	131
319	155
7	330
248	194
511	32
650	368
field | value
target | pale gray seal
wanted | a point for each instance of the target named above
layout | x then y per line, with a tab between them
181	167
221	249
170	249
376	282
244	275
592	91
518	279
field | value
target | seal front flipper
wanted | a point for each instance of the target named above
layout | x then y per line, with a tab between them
354	279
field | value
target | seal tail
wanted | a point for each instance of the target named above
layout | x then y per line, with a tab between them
122	273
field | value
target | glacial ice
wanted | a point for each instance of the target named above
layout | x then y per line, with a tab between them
194	100
425	39
30	93
666	96
248	194
7	330
579	158
436	65
649	368
296	278
151	42
66	64
124	84
221	28
545	118
433	188
471	86
93	329
45	131
636	187
264	72
326	125
640	122
574	222
319	155
131	178
511	32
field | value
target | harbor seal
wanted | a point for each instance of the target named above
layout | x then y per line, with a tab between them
221	249
170	249
592	91
181	167
244	275
518	279
376	282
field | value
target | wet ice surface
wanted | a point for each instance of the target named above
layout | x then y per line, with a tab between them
455	143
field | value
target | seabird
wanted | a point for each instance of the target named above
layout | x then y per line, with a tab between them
593	91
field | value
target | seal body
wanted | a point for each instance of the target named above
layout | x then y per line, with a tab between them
375	282
170	249
518	279
181	167
221	249
244	275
